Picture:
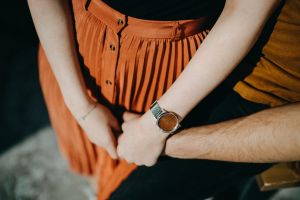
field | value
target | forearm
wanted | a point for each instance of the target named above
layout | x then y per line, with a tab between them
53	22
230	39
272	135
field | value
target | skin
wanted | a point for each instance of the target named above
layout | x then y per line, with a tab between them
230	39
272	135
141	142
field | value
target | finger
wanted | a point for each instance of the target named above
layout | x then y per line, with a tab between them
115	125
123	126
112	152
111	145
119	151
138	163
130	115
149	164
129	161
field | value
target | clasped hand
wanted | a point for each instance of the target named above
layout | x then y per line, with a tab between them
141	142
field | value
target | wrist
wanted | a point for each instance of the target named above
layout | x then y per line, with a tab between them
168	122
80	106
149	122
177	146
171	106
83	117
191	143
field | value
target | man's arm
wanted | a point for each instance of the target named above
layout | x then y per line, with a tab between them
272	135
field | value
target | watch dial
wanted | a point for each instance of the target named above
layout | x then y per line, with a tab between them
168	122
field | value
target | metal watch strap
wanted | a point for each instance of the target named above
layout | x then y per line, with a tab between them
156	109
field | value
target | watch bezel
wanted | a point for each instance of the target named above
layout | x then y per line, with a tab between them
165	113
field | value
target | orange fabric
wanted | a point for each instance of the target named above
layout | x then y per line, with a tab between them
132	62
275	79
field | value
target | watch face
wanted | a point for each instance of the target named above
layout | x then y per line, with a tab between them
168	122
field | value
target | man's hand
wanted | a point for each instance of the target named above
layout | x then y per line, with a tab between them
141	142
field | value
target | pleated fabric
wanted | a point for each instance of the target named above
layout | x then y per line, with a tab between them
132	62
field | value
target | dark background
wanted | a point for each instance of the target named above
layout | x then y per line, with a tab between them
22	109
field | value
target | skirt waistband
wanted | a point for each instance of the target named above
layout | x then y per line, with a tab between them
118	22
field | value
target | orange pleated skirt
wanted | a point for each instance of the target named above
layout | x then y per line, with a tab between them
130	63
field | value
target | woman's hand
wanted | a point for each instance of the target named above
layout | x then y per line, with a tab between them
141	142
100	125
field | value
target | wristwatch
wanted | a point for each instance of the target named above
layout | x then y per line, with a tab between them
167	121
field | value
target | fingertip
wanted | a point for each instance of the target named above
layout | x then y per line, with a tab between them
150	163
119	153
124	116
113	155
138	163
112	152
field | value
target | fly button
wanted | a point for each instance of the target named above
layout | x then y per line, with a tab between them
179	31
179	28
108	82
112	47
120	22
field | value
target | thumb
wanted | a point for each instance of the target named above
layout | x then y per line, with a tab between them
112	152
111	147
130	115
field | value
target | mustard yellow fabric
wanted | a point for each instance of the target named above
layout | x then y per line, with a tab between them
275	79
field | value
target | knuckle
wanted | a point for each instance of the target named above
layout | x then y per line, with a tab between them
128	160
124	115
123	126
149	163
139	163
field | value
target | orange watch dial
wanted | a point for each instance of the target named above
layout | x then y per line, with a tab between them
168	122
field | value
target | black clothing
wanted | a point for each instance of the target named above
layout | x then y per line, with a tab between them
193	179
167	9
